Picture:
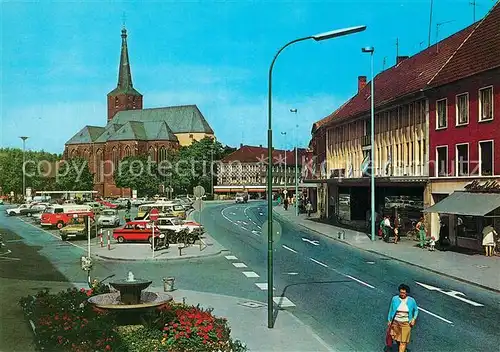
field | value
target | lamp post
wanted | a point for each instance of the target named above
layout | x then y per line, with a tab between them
317	37
24	138
284	134
294	111
371	50
212	170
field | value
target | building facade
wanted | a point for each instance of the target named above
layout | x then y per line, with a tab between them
245	170
446	77
133	130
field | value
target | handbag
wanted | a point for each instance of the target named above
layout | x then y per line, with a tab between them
388	337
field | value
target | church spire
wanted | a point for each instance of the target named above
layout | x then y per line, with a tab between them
124	75
124	96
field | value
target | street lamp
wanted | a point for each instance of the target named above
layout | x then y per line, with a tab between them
284	134
24	138
317	37
371	50
296	166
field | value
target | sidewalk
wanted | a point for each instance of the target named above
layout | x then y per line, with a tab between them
142	251
474	269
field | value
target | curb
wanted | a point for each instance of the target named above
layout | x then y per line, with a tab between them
215	254
394	258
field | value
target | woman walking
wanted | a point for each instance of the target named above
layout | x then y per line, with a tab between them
403	313
422	234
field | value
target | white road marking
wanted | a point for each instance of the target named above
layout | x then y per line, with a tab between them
318	262
6	253
250	274
358	280
237	222
283	302
230	257
454	294
289	249
292	273
261	214
263	286
255	232
370	262
239	265
435	315
313	242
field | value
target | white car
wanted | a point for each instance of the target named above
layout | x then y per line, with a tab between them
17	210
108	217
177	225
139	201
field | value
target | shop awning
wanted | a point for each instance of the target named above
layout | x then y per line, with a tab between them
466	203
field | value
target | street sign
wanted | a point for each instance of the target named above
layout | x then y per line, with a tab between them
153	214
199	191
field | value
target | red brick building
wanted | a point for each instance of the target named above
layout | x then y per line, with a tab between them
132	130
464	124
459	73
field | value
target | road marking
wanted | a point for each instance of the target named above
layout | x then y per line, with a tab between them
313	242
6	253
370	263
435	315
250	274
263	286
454	294
318	262
289	249
361	282
255	232
239	265
231	257
292	273
283	302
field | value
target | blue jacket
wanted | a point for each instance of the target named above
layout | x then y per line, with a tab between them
412	308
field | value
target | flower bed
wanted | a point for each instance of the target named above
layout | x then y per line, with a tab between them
64	321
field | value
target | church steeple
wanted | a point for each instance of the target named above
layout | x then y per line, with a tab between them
124	96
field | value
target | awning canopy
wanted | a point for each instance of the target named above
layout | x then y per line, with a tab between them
466	203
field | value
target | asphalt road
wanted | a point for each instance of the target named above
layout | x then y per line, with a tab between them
344	293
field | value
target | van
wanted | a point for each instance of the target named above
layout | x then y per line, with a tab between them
61	215
164	208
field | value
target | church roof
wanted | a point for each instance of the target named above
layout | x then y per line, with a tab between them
109	130
180	119
88	134
143	131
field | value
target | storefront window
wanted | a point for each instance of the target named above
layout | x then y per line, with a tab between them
469	227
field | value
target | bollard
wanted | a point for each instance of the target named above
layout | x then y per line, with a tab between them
101	241
109	241
341	235
168	284
180	250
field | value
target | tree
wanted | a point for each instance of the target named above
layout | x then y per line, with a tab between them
139	173
191	164
74	175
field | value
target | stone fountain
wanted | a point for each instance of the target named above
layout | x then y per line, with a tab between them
130	300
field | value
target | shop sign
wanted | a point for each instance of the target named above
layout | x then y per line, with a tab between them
486	187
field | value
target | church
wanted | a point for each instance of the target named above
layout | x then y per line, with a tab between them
132	130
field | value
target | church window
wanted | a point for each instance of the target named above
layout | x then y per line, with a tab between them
127	151
117	102
115	157
98	174
162	154
152	153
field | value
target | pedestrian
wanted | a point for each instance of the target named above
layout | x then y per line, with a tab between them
432	243
129	204
309	208
397	224
386	228
489	235
421	232
403	313
285	203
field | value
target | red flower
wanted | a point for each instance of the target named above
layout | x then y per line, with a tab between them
108	347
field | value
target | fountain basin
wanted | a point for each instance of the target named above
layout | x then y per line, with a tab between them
112	301
130	291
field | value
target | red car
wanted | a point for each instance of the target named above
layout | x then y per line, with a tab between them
140	231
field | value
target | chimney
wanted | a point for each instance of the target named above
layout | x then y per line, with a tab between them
361	83
260	145
241	145
400	59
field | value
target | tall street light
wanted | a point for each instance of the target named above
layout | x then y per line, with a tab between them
294	111
286	191
24	138
317	37
371	50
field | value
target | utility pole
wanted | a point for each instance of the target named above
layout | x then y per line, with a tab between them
286	191
296	166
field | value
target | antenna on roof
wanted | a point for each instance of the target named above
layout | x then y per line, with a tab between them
397	49
383	63
437	32
473	4
430	25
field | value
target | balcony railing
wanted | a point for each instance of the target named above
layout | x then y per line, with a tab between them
365	141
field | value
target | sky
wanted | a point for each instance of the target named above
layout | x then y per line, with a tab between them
60	59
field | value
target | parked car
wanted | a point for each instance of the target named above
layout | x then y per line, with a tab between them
175	224
108	217
241	197
96	207
78	230
135	231
17	210
139	201
62	215
34	208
